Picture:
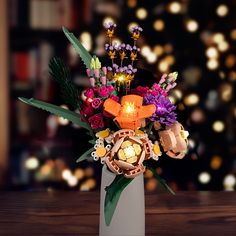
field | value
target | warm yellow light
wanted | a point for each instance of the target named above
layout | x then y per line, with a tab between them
223	46
32	163
218	126
216	162
229	182
108	19
66	174
191	100
204	178
212	64
141	13
131	25
163	66
121	78
212	52
158	50
175	7
192	25
222	10
218	38
129	107
86	40
233	34
159	25
129	152
151	58
145	50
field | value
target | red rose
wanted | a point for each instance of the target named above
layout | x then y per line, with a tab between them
96	121
114	97
87	110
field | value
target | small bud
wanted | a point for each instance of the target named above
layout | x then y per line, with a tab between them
92	82
103	80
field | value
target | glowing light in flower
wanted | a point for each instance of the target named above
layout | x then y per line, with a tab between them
204	178
218	126
129	108
222	10
141	13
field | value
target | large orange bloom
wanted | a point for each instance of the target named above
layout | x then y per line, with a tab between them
130	113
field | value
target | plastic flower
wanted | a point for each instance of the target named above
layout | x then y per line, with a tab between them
103	91
96	103
87	110
96	121
89	93
114	97
164	109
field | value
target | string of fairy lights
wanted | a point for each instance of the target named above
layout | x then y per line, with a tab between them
206	87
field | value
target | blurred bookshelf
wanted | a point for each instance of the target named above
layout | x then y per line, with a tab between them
43	148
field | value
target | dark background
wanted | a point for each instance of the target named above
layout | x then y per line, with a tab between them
197	38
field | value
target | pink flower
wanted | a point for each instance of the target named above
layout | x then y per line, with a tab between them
96	121
103	91
89	93
156	86
110	88
106	114
114	97
140	90
96	103
87	110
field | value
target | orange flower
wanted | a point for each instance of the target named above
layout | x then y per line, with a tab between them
130	113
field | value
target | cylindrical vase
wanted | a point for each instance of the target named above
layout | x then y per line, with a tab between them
129	215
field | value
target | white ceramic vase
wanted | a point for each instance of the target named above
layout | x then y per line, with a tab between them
129	215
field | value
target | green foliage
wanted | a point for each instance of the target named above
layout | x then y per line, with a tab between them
85	155
60	73
85	56
56	110
113	192
158	177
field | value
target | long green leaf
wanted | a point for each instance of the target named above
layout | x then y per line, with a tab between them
56	110
158	177
85	155
113	192
85	56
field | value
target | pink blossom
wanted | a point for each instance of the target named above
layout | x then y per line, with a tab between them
156	86
96	121
114	97
140	90
89	92
103	91
110	88
96	103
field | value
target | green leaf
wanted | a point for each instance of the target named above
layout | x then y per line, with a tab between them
158	177
92	141
84	54
85	155
60	73
113	192
56	110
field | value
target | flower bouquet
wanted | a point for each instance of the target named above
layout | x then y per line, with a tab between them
128	125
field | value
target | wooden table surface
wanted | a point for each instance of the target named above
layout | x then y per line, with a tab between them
77	213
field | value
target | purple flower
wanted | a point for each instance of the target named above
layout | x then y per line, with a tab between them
96	103
165	110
